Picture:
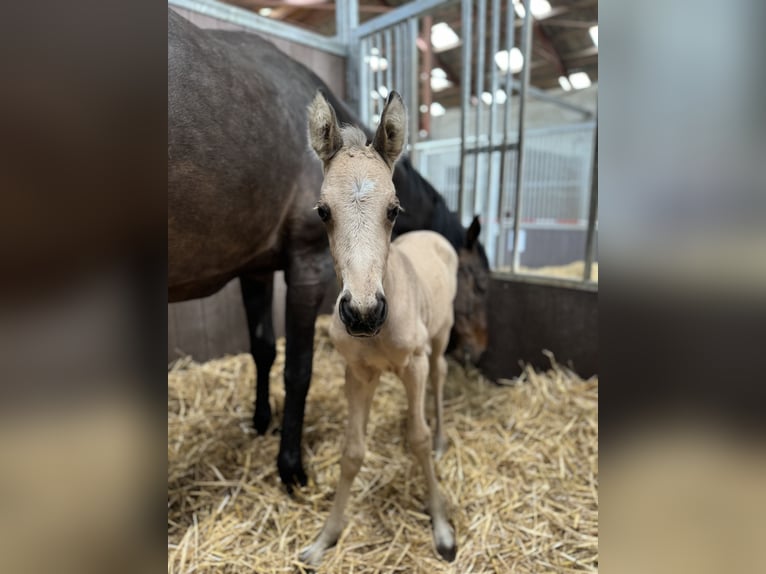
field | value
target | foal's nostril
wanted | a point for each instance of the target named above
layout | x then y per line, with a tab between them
381	309
344	309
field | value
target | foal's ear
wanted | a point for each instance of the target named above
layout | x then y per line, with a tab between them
392	130
324	131
472	235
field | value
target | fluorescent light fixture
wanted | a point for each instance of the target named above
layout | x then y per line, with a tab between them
539	7
383	91
377	63
423	108
515	60
486	97
437	109
519	8
439	80
501	97
564	83
579	80
443	37
594	34
265	11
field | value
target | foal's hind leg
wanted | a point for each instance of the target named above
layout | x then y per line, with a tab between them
360	388
257	294
414	378
438	372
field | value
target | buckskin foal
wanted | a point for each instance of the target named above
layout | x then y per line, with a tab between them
395	309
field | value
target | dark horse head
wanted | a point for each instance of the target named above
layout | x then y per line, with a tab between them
425	208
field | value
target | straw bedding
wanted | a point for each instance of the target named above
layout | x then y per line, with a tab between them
520	475
573	270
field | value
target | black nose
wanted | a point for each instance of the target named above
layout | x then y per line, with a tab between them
360	323
347	314
381	309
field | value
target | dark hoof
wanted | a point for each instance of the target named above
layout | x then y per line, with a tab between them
447	552
291	471
262	418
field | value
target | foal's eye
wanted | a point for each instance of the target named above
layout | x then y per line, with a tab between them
323	211
393	211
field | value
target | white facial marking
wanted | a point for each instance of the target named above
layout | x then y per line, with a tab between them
363	187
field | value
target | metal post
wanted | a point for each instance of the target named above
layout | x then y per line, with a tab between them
346	19
466	11
490	225
592	211
390	59
425	74
526	40
481	37
399	53
364	82
379	101
510	30
412	26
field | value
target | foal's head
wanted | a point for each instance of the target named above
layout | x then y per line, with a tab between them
358	205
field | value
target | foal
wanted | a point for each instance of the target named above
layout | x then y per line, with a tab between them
395	309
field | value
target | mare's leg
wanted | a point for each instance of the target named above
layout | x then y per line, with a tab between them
257	296
414	377
438	372
360	387
300	315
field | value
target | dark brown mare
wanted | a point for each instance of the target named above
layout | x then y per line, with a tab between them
242	185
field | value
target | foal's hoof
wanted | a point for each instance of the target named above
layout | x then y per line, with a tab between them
261	418
291	470
311	556
447	552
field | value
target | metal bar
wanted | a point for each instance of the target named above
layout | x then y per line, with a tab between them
490	226
364	83
379	101
398	51
252	21
578	284
401	14
526	40
481	33
592	212
346	19
491	148
412	25
509	40
425	74
466	11
389	59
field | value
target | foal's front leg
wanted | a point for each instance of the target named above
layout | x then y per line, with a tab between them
360	388
414	376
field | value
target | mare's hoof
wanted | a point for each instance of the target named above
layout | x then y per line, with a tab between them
261	418
447	552
291	471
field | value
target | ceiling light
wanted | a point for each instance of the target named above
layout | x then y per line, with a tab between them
539	7
516	60
439	80
437	109
564	83
579	80
443	37
519	8
383	91
501	97
486	97
265	11
594	34
377	63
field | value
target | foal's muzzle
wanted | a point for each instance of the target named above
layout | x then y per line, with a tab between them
362	322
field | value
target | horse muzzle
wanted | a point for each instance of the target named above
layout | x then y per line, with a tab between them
363	322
